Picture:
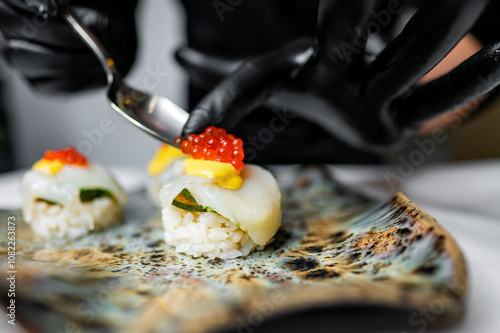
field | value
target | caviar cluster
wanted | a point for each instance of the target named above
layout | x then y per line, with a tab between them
215	144
67	155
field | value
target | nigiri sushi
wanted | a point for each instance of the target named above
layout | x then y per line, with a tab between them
65	196
216	206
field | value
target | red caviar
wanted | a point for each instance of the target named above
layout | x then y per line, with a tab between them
67	155
215	144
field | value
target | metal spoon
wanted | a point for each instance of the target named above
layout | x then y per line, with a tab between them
154	114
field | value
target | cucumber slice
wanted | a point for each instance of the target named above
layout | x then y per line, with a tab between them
87	195
186	201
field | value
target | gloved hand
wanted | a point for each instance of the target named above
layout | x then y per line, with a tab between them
362	90
45	50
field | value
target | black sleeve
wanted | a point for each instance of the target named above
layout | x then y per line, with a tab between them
487	28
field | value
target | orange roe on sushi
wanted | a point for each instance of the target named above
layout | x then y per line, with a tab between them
67	155
214	144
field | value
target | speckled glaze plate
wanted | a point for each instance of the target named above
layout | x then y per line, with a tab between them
335	248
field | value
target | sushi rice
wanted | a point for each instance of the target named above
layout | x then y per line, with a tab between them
76	220
205	234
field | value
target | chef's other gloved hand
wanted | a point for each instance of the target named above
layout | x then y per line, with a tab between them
44	49
361	90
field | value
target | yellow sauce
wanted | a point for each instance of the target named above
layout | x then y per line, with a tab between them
227	176
164	156
48	167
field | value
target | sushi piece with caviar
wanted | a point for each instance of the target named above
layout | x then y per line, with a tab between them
216	206
65	196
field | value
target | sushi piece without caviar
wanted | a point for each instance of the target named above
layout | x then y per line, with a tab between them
67	197
160	169
214	205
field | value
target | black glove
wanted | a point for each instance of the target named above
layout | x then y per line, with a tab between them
361	90
39	44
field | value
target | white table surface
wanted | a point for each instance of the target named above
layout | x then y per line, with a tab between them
463	197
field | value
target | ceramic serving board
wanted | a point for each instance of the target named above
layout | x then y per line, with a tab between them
334	248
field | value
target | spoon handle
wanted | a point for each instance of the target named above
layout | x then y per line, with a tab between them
107	63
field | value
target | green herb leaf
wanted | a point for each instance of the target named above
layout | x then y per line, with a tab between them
188	195
87	195
49	202
185	200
